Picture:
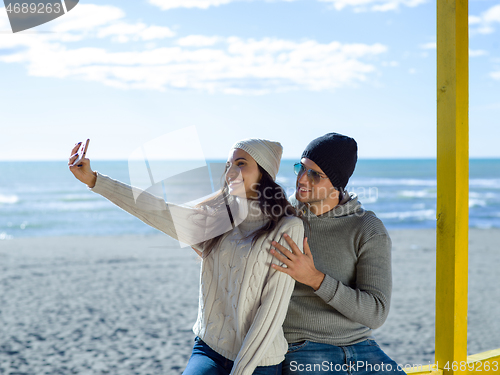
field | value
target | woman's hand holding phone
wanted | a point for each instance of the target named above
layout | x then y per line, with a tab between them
79	165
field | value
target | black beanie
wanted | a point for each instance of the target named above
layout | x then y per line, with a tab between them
336	155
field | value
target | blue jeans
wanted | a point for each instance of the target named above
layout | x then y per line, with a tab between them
205	361
313	358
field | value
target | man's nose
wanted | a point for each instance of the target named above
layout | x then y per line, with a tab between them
302	178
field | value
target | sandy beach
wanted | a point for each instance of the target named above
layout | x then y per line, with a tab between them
126	304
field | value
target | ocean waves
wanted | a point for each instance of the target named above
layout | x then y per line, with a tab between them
44	199
8	199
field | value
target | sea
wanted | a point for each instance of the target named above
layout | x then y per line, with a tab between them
43	198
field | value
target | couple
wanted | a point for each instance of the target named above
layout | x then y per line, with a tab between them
271	300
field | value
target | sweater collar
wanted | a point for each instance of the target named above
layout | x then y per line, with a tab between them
248	210
348	206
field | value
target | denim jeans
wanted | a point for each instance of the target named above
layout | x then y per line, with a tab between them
205	361
313	358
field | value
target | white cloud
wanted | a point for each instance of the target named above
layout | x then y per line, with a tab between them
124	32
198	41
87	17
230	65
474	20
4	20
241	66
373	5
202	4
101	21
484	24
477	52
391	64
156	32
356	5
430	45
495	75
492	14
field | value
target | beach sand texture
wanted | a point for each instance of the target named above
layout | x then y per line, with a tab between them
126	304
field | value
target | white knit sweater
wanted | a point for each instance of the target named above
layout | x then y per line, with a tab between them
243	301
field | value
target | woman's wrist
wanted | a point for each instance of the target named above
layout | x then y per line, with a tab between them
93	181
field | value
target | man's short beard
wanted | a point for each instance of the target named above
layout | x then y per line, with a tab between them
315	194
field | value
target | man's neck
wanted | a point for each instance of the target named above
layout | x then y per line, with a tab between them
321	207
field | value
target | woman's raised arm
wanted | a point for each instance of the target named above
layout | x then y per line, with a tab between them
186	224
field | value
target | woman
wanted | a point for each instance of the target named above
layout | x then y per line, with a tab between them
243	300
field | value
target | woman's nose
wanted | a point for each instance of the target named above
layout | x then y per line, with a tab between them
232	172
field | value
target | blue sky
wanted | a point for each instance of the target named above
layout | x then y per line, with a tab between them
125	72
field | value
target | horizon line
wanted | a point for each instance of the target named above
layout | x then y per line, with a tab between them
283	159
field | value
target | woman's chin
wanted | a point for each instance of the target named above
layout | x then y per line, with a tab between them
238	192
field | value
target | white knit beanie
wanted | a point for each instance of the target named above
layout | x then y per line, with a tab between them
266	153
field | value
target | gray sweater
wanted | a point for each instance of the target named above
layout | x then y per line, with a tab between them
353	249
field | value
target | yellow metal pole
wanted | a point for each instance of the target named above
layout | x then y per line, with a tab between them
452	184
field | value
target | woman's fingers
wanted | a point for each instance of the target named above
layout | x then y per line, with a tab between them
74	154
84	164
72	159
75	149
83	172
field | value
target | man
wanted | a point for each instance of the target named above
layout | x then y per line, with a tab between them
343	278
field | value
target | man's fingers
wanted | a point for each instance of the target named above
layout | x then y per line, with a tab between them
281	269
293	245
307	250
281	257
283	249
279	246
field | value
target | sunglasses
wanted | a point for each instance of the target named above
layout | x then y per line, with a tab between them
313	176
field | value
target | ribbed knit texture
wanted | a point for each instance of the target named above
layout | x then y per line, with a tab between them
243	300
266	153
336	155
353	249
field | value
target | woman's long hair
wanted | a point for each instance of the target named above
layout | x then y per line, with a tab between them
272	202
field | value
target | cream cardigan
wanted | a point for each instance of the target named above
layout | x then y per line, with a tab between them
243	301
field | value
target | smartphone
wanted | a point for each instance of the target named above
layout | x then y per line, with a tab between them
81	152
